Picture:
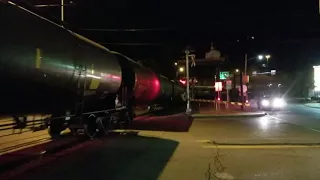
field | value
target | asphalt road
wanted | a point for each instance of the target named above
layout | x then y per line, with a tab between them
299	114
282	145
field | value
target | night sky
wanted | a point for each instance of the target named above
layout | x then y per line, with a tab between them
288	30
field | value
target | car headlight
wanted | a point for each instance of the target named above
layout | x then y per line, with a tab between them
278	102
265	102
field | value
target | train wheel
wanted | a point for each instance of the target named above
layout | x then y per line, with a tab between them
54	130
90	126
74	131
103	126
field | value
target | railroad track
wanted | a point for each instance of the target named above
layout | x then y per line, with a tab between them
29	150
27	138
23	145
35	153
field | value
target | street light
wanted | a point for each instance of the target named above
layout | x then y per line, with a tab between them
237	70
260	57
175	64
267	57
181	69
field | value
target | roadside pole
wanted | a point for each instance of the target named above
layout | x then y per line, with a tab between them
228	87
188	110
241	90
228	100
215	88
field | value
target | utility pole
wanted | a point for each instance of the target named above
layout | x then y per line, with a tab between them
241	90
245	63
245	72
61	5
188	110
62	10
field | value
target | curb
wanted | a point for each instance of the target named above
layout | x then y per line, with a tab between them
228	115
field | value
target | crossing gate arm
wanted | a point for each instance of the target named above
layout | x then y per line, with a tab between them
223	102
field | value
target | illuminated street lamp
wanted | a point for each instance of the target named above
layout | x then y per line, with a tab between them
267	57
237	70
181	69
175	64
260	57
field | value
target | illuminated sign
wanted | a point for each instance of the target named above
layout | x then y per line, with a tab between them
224	75
316	78
218	86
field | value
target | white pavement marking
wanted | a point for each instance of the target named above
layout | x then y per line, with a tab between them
311	129
203	141
243	146
224	175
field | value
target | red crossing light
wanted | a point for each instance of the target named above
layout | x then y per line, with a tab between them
183	81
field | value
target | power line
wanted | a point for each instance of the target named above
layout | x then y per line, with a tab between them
129	30
132	44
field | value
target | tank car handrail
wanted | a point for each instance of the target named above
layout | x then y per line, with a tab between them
115	52
131	60
89	41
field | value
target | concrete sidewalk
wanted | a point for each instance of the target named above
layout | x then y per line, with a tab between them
207	112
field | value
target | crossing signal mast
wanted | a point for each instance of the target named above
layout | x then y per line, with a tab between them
188	51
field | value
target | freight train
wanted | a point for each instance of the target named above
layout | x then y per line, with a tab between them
45	67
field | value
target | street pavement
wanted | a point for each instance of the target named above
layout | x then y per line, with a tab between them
313	105
300	115
281	145
208	110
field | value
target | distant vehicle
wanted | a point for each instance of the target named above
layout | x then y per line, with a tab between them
271	102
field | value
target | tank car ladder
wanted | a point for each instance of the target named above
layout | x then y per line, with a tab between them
79	104
81	87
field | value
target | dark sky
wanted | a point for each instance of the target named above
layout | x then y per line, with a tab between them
289	30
